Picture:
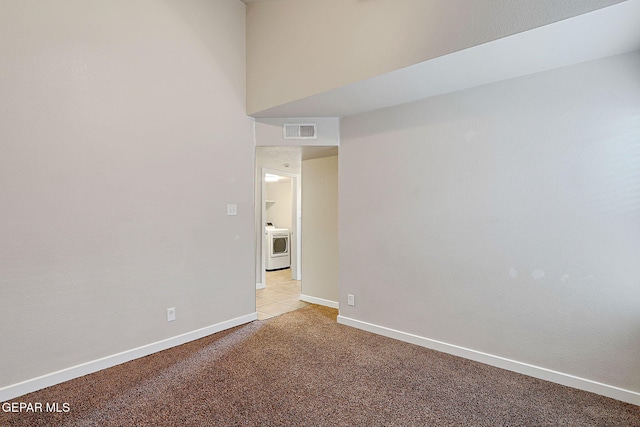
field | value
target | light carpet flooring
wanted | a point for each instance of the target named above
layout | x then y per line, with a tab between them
280	295
304	369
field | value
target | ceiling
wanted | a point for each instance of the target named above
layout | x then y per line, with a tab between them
289	158
605	32
563	43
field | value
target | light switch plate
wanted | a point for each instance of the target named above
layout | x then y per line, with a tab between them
232	209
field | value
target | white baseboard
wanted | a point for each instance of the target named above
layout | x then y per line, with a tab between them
319	301
260	286
47	380
500	362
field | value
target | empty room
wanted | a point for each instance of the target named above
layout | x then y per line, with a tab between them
461	217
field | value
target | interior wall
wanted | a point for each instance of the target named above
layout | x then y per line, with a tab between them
279	204
269	133
320	230
300	48
503	219
123	137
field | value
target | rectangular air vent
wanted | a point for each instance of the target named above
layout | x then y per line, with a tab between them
299	131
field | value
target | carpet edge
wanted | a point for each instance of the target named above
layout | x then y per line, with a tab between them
47	380
561	378
318	301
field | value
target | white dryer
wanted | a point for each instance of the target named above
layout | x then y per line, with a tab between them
278	253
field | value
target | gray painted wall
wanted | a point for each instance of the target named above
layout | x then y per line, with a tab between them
320	228
297	48
123	136
504	219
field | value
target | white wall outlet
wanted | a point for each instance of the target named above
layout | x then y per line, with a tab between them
232	209
171	314
351	300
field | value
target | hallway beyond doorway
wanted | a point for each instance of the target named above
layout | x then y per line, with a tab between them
280	295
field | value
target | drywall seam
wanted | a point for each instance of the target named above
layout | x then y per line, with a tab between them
14	390
499	362
319	301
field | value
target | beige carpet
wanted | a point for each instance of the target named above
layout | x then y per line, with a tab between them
303	369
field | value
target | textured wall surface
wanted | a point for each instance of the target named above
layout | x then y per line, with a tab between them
504	219
123	136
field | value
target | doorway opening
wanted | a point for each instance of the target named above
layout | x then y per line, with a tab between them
281	219
280	280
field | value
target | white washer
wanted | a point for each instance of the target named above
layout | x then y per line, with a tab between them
278	254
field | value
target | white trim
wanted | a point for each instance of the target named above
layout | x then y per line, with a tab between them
319	301
500	362
260	286
15	390
263	222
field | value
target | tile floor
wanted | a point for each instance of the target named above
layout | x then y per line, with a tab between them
280	295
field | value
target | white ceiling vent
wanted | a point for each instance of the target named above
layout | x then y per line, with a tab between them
299	131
